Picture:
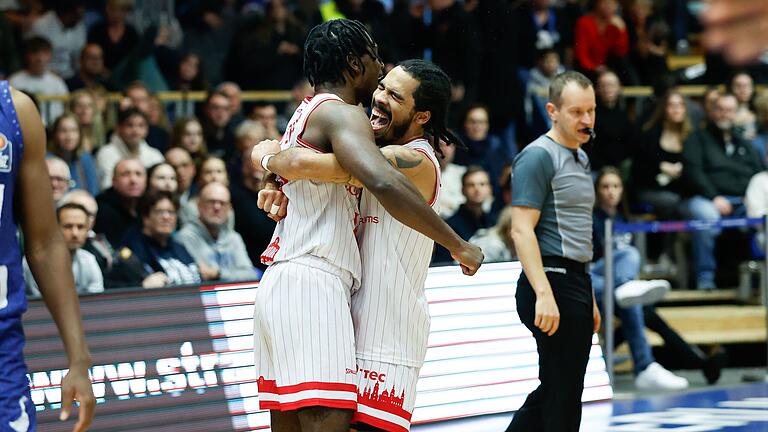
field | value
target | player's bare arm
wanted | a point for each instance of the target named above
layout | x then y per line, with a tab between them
305	164
50	262
524	220
349	132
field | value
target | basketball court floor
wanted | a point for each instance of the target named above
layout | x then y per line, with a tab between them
732	405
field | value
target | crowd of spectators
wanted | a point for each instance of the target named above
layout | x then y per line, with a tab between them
169	195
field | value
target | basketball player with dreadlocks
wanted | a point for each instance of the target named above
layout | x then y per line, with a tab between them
304	339
389	311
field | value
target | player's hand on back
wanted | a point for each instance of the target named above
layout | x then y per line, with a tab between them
469	256
76	386
274	203
262	149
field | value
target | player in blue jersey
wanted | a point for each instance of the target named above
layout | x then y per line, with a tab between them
25	200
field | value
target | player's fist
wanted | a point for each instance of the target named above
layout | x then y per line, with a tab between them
274	203
262	149
469	256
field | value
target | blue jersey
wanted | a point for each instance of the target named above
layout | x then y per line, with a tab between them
12	298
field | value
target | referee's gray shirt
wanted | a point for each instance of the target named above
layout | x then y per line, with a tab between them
556	180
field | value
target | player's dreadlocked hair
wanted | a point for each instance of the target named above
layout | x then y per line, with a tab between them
329	45
433	95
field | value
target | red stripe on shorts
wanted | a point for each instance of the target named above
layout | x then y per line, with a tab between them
377	423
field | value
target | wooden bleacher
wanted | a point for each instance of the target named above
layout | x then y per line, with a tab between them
706	318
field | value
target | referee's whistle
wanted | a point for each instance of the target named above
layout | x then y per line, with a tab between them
589	131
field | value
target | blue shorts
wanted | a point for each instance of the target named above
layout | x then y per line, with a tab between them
17	412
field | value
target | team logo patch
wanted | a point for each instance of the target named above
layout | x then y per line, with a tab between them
6	154
268	256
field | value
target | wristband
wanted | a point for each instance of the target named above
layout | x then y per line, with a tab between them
265	161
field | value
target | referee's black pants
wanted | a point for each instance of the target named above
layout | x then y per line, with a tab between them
555	406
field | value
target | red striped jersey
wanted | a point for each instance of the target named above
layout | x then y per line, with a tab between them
389	311
320	217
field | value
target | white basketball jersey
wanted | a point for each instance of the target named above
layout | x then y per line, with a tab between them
321	216
389	311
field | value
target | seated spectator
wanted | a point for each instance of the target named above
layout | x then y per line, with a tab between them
91	73
648	41
247	135
183	73
235	95
188	134
186	171
151	257
162	177
212	169
116	37
760	143
217	114
547	67
450	178
83	105
266	114
36	78
219	250
745	122
658	166
74	225
615	133
138	96
496	241
117	205
630	293
66	143
58	172
718	166
63	25
483	149
601	41
128	141
542	26
96	244
253	224
471	216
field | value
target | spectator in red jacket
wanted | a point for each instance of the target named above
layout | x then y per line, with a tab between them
601	41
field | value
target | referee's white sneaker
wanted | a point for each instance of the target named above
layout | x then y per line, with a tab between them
641	292
655	377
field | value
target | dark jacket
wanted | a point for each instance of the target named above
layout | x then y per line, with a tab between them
645	165
142	256
114	218
466	225
710	171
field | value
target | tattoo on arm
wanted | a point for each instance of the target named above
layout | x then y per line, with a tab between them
404	160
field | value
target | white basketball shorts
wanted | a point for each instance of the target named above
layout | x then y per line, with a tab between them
303	338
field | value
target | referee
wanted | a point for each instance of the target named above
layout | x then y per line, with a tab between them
552	200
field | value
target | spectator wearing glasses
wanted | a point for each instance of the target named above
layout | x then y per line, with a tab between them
219	250
58	172
718	167
152	258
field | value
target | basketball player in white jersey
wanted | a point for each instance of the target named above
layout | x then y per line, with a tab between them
303	336
389	311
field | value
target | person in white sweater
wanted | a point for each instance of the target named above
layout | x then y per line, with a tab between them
128	141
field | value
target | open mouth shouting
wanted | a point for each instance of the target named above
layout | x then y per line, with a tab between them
380	118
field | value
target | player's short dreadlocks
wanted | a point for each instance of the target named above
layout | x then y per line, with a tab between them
329	46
